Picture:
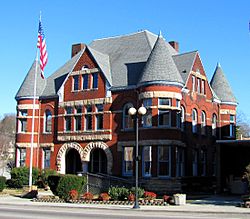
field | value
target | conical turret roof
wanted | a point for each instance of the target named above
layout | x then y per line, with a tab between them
27	88
221	86
160	66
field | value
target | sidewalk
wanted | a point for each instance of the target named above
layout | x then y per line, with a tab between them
213	204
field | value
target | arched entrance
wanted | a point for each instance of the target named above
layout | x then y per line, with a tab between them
73	161
98	161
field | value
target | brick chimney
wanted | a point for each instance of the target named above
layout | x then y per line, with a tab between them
76	48
175	45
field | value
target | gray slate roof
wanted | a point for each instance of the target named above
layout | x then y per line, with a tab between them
160	66
55	81
221	86
27	88
184	63
128	55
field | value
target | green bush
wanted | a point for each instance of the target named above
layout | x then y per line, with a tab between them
2	183
20	176
68	183
118	193
140	191
53	181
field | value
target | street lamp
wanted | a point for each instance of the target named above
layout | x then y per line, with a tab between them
133	112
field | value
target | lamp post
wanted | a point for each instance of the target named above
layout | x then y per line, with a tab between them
133	112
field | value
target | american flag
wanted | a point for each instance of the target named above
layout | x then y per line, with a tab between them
41	44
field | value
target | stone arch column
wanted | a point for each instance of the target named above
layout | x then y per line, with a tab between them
60	159
92	145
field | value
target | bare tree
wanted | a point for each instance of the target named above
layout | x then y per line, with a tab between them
7	139
243	125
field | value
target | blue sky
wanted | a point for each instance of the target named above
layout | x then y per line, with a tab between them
218	29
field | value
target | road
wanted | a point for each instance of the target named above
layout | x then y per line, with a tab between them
41	212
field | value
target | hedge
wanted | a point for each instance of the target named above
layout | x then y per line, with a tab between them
2	183
20	177
61	185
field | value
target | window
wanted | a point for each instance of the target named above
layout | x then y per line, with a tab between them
203	162
232	126
214	164
195	163
203	123
75	82
198	85
164	155
164	118
182	118
99	116
78	118
22	121
147	118
194	121
203	90
178	119
85	81
88	118
95	80
46	158
68	124
147	161
179	162
193	83
128	161
21	157
178	103
48	121
164	102
214	125
127	119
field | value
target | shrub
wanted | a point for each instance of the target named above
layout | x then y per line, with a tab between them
104	197
87	196
73	194
53	181
20	176
2	183
69	182
118	193
140	191
149	195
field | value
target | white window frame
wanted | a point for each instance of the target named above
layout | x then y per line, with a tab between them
214	125
149	149
203	123
194	121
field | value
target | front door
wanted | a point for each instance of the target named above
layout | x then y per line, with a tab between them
73	162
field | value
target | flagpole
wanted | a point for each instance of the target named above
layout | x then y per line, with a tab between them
33	124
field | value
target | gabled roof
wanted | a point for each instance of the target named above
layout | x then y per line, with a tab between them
56	80
160	66
128	55
27	88
221	86
184	63
102	61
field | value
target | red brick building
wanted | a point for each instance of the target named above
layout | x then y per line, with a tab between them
82	122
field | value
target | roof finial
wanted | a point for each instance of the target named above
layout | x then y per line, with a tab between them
160	34
218	65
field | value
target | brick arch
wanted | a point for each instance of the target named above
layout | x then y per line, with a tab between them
92	145
60	158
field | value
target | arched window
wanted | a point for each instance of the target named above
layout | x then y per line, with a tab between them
214	124
48	121
194	121
127	119
203	123
182	118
